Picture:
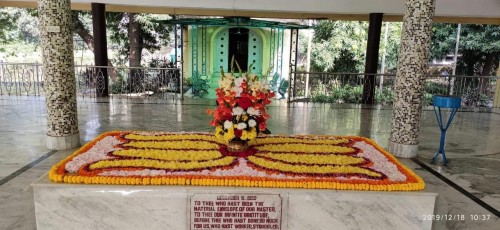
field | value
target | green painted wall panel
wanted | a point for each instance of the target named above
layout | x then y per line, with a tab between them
217	53
255	52
220	51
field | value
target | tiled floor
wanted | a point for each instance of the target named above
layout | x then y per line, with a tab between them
473	145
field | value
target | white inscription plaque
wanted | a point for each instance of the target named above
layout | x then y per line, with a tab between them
235	211
53	29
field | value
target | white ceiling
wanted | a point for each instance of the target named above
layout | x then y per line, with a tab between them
460	8
445	8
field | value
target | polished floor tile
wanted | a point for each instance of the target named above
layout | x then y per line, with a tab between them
472	145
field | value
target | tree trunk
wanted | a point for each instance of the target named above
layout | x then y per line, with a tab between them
486	71
134	53
83	33
89	40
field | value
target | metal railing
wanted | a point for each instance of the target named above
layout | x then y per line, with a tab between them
162	83
21	79
124	82
475	91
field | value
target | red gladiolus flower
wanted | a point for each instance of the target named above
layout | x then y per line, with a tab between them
244	102
265	115
233	102
220	101
214	123
262	126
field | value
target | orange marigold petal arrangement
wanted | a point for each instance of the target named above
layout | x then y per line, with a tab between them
306	161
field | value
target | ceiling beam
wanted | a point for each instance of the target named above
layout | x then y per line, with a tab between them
254	14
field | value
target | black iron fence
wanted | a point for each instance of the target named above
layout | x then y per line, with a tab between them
128	82
475	91
21	79
162	83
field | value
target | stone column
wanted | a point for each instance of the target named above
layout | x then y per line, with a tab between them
412	64
371	61
100	48
60	85
496	99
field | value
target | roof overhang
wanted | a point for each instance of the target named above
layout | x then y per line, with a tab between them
235	22
453	11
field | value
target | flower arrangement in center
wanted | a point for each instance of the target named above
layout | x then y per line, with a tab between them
241	106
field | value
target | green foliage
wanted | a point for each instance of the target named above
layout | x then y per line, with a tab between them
384	97
343	94
436	88
7	22
153	35
339	46
479	45
443	40
348	93
321	98
19	36
189	81
431	89
17	27
392	46
119	85
28	27
427	99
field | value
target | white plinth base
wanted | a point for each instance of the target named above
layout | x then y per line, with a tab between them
63	143
67	206
401	150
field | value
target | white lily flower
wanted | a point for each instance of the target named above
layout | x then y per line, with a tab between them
237	86
237	111
265	84
252	111
225	84
238	91
256	86
228	124
241	126
252	123
238	81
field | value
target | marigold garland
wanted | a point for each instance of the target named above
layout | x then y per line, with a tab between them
298	139
318	159
306	148
162	136
169	155
314	169
204	145
156	164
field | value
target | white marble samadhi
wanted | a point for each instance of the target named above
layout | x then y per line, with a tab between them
76	206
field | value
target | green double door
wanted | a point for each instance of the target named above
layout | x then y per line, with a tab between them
242	43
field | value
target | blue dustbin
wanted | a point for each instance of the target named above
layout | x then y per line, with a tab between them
452	103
